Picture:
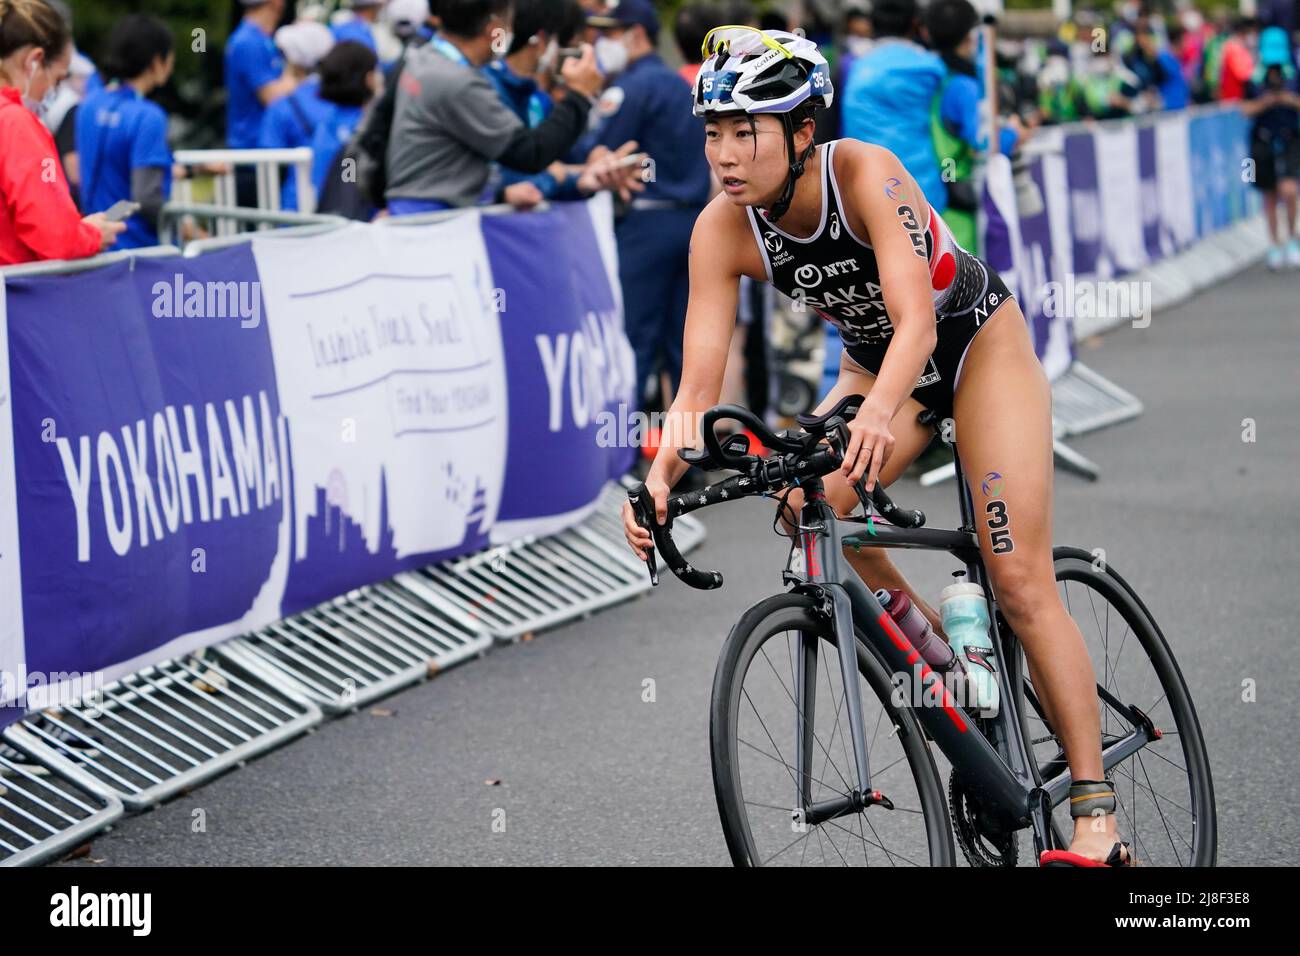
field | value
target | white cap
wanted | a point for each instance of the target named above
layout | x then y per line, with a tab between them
304	43
408	11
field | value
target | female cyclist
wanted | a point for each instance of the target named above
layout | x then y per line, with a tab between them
858	243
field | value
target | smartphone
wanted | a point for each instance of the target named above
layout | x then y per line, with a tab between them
121	209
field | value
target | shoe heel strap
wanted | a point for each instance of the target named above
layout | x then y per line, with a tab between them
1087	797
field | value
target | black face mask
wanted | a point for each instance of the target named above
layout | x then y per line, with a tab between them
1273	78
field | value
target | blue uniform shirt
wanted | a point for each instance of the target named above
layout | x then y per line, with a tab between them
252	61
290	122
118	131
356	30
959	110
333	131
651	103
532	105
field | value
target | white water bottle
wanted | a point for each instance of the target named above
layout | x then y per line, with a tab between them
965	614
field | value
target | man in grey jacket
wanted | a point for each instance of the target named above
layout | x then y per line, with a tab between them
449	123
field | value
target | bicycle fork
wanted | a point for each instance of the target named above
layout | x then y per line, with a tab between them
861	796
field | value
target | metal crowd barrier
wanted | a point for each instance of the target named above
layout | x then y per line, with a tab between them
43	815
536	583
364	645
267	165
167	727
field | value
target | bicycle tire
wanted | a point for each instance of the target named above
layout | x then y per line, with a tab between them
795	612
1076	564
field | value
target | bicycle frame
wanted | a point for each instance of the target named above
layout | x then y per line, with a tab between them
1002	774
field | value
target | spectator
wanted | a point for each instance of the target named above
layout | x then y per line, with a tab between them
1107	89
123	134
255	78
1160	71
360	26
693	21
411	20
648	104
951	25
534	52
38	219
449	123
290	122
857	32
349	79
1236	65
1273	104
889	92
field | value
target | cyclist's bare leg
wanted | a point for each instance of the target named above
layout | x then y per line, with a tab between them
1003	422
910	439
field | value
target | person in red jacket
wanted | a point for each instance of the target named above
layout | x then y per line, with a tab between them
38	219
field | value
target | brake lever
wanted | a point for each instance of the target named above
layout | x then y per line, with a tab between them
639	497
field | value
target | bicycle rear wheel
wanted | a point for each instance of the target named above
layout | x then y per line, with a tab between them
752	740
1164	791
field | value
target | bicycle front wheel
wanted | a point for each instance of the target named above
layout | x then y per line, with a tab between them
753	727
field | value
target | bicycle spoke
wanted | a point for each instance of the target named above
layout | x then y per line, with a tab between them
803	717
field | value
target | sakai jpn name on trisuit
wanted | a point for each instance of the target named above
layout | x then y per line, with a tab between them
836	274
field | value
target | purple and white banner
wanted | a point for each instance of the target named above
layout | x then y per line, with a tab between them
192	448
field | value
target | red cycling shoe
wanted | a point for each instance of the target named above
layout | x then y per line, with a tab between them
1087	798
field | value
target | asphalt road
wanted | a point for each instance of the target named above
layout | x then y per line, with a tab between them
1203	525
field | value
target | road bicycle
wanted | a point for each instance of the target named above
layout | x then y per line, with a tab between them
795	786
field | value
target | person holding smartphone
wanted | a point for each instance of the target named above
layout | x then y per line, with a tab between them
122	135
1273	105
38	219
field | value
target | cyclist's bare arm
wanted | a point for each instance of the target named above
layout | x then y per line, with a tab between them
894	215
896	229
717	259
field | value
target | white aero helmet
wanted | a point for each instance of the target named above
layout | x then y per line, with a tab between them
750	71
759	71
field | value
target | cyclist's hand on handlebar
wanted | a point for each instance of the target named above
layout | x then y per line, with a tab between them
870	444
638	538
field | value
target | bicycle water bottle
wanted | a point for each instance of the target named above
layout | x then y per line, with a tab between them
937	653
965	614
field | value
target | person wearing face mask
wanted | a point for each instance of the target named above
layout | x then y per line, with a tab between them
533	53
449	124
122	135
643	105
38	219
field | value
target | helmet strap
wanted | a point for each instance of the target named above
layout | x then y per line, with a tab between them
782	205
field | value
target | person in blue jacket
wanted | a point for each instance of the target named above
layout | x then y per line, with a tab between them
889	94
647	103
1159	70
541	28
122	135
349	78
290	122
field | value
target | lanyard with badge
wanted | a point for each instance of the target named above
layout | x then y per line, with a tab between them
448	50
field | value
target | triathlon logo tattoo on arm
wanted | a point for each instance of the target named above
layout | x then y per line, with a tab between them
999	523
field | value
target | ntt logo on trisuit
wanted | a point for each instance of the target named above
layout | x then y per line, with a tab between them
75	909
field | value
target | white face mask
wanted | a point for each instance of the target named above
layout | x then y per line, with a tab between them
547	62
611	55
42	106
501	43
